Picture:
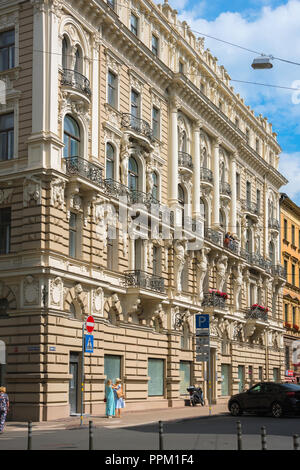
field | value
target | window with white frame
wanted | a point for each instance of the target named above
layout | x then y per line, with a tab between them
7	50
112	90
134	21
156	122
6	136
5	230
155	44
110	161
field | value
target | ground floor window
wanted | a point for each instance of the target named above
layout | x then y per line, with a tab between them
276	374
2	364
241	376
225	373
185	376
156	374
260	373
112	367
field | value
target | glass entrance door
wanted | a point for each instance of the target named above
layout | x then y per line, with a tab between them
241	376
74	386
225	379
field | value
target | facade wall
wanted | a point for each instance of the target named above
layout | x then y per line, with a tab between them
143	297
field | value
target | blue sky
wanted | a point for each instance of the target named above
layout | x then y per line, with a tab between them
270	27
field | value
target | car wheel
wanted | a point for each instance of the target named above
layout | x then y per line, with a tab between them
277	410
235	409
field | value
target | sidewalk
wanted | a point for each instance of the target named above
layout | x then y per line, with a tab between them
129	418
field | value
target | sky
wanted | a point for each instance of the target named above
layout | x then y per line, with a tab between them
269	27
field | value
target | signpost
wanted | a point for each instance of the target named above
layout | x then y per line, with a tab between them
87	346
203	347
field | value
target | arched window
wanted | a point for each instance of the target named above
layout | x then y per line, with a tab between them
78	60
65	53
155	186
133	174
110	161
71	137
222	220
203	212
181	200
272	252
249	241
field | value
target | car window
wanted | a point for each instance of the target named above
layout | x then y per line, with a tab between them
270	388
255	389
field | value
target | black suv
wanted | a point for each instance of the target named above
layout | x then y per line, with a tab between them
267	397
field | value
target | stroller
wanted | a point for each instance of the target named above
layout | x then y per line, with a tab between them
196	395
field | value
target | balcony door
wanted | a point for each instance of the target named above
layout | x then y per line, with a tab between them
71	137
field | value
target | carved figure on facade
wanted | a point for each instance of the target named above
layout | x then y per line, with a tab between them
180	249
56	291
6	195
31	290
244	228
58	193
125	145
237	284
98	301
32	191
221	272
202	266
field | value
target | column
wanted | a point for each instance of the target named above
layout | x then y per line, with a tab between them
196	170
173	154
233	194
95	98
216	187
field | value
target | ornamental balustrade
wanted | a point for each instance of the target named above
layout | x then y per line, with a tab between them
206	175
279	270
81	167
274	224
257	312
76	80
225	189
214	299
185	160
213	236
142	279
251	207
136	124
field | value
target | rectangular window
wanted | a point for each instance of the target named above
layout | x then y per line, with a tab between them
111	4
241	377
156	260
154	45
225	370
156	122
138	254
238	185
5	230
134	24
181	67
112	248
275	374
7	50
285	264
185	376
6	136
293	275
258	199
293	235
112	367
156	374
250	372
257	145
260	374
73	235
112	90
135	104
285	229
294	316
286	313
248	191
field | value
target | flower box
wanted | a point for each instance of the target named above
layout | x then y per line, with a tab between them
287	325
219	293
260	307
296	327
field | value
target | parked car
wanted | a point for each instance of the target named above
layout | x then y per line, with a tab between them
267	397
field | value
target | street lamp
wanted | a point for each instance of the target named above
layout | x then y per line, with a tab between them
264	62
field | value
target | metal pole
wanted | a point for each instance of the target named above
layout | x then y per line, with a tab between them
239	435
91	436
160	432
263	438
296	441
209	382
29	441
82	376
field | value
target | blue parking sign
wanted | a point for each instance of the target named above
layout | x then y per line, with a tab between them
202	320
89	343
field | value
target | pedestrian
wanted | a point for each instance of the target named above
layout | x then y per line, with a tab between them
110	400
119	397
4	407
226	240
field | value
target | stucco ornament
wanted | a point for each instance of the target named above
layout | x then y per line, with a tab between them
31	290
32	191
202	265
58	193
179	261
221	267
56	289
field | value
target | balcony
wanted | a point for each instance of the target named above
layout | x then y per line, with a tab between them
137	126
251	209
139	197
185	162
77	81
232	246
278	270
273	225
144	280
77	166
214	299
225	190
257	312
213	236
206	176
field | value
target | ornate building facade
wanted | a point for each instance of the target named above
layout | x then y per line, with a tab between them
126	161
290	249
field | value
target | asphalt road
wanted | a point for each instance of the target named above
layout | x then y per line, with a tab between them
205	433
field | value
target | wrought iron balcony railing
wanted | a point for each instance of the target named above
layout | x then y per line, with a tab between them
225	189
274	224
213	236
81	167
278	270
256	313
251	207
77	80
114	188
138	125
138	278
206	175
212	299
233	246
139	197
185	160
258	260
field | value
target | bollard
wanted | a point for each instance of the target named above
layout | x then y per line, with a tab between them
296	441
263	438
239	435
29	440
160	430
91	436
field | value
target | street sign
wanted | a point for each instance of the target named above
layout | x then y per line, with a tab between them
90	324
202	321
89	344
202	332
202	340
